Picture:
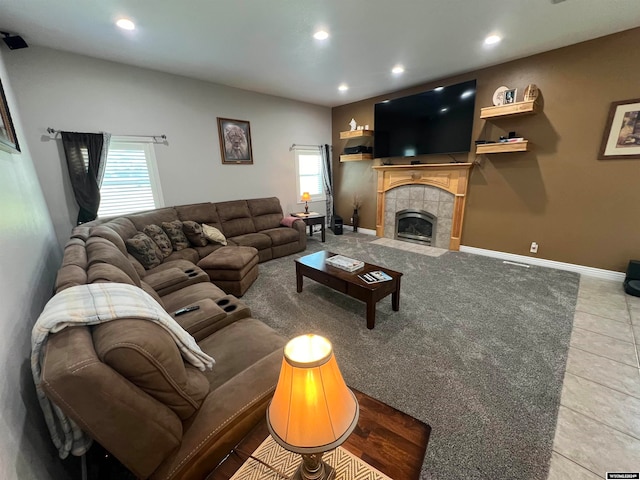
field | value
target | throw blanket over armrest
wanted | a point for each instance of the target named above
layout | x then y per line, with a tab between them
91	305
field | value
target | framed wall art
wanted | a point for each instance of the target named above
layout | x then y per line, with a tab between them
8	138
621	138
235	141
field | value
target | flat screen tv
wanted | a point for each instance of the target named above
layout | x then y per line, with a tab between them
435	122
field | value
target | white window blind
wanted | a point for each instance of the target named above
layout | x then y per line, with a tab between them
130	182
309	173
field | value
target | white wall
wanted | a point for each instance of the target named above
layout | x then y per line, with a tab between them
29	258
77	93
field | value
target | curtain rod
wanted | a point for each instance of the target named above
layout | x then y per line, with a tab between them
164	137
295	145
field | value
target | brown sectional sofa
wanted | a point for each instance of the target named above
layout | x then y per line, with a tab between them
125	383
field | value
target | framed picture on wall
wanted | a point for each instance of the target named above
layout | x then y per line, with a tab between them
621	137
8	138
235	141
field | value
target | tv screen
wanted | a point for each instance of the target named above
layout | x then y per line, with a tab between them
437	121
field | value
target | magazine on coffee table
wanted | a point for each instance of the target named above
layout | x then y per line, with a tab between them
344	263
374	277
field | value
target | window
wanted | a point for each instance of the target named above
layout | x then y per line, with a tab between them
309	173
130	182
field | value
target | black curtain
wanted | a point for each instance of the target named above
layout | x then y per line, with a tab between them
325	152
85	177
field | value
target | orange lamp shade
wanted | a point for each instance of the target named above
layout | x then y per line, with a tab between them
312	409
306	197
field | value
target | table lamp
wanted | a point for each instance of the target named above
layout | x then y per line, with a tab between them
305	198
312	410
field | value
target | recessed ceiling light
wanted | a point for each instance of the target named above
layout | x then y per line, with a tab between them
321	35
126	24
438	89
397	70
343	87
385	101
466	94
444	109
492	39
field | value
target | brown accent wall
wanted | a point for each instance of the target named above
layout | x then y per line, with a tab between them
577	208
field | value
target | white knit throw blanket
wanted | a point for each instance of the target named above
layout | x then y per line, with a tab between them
91	305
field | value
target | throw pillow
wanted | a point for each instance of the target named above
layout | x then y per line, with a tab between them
193	231
175	234
213	234
157	235
144	250
288	221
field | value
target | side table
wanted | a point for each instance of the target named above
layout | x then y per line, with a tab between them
387	439
311	219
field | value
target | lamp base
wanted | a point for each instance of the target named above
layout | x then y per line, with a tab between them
313	468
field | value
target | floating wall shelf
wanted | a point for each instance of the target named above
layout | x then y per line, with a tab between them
356	157
504	147
510	110
356	134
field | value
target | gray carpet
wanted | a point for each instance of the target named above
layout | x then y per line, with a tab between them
477	350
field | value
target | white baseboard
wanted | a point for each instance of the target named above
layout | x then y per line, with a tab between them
366	231
541	262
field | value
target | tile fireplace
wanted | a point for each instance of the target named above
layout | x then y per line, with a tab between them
437	190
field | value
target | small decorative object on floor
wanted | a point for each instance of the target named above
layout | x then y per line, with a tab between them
355	219
531	92
353	124
344	263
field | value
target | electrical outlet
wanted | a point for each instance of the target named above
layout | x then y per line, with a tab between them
534	247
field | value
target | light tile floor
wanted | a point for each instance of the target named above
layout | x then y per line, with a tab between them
598	427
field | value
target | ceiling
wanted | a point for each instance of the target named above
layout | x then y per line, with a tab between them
267	45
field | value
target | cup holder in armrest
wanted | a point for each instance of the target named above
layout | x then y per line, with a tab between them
192	274
230	308
222	302
191	270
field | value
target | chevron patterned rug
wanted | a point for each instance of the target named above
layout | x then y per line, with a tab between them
348	466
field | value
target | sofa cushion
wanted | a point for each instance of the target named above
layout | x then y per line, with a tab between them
282	235
144	250
199	212
70	276
194	233
123	227
157	234
235	218
75	254
256	240
104	273
266	212
145	354
176	235
149	289
106	232
185	254
213	235
153	217
140	270
105	253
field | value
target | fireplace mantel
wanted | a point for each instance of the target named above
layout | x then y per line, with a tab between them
452	177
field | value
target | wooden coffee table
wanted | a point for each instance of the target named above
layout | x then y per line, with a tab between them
314	267
387	439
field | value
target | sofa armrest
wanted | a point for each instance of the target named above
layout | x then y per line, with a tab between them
174	278
211	316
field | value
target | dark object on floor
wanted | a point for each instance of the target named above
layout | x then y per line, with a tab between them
14	42
632	280
101	465
337	225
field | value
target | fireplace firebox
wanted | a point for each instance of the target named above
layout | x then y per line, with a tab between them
416	226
